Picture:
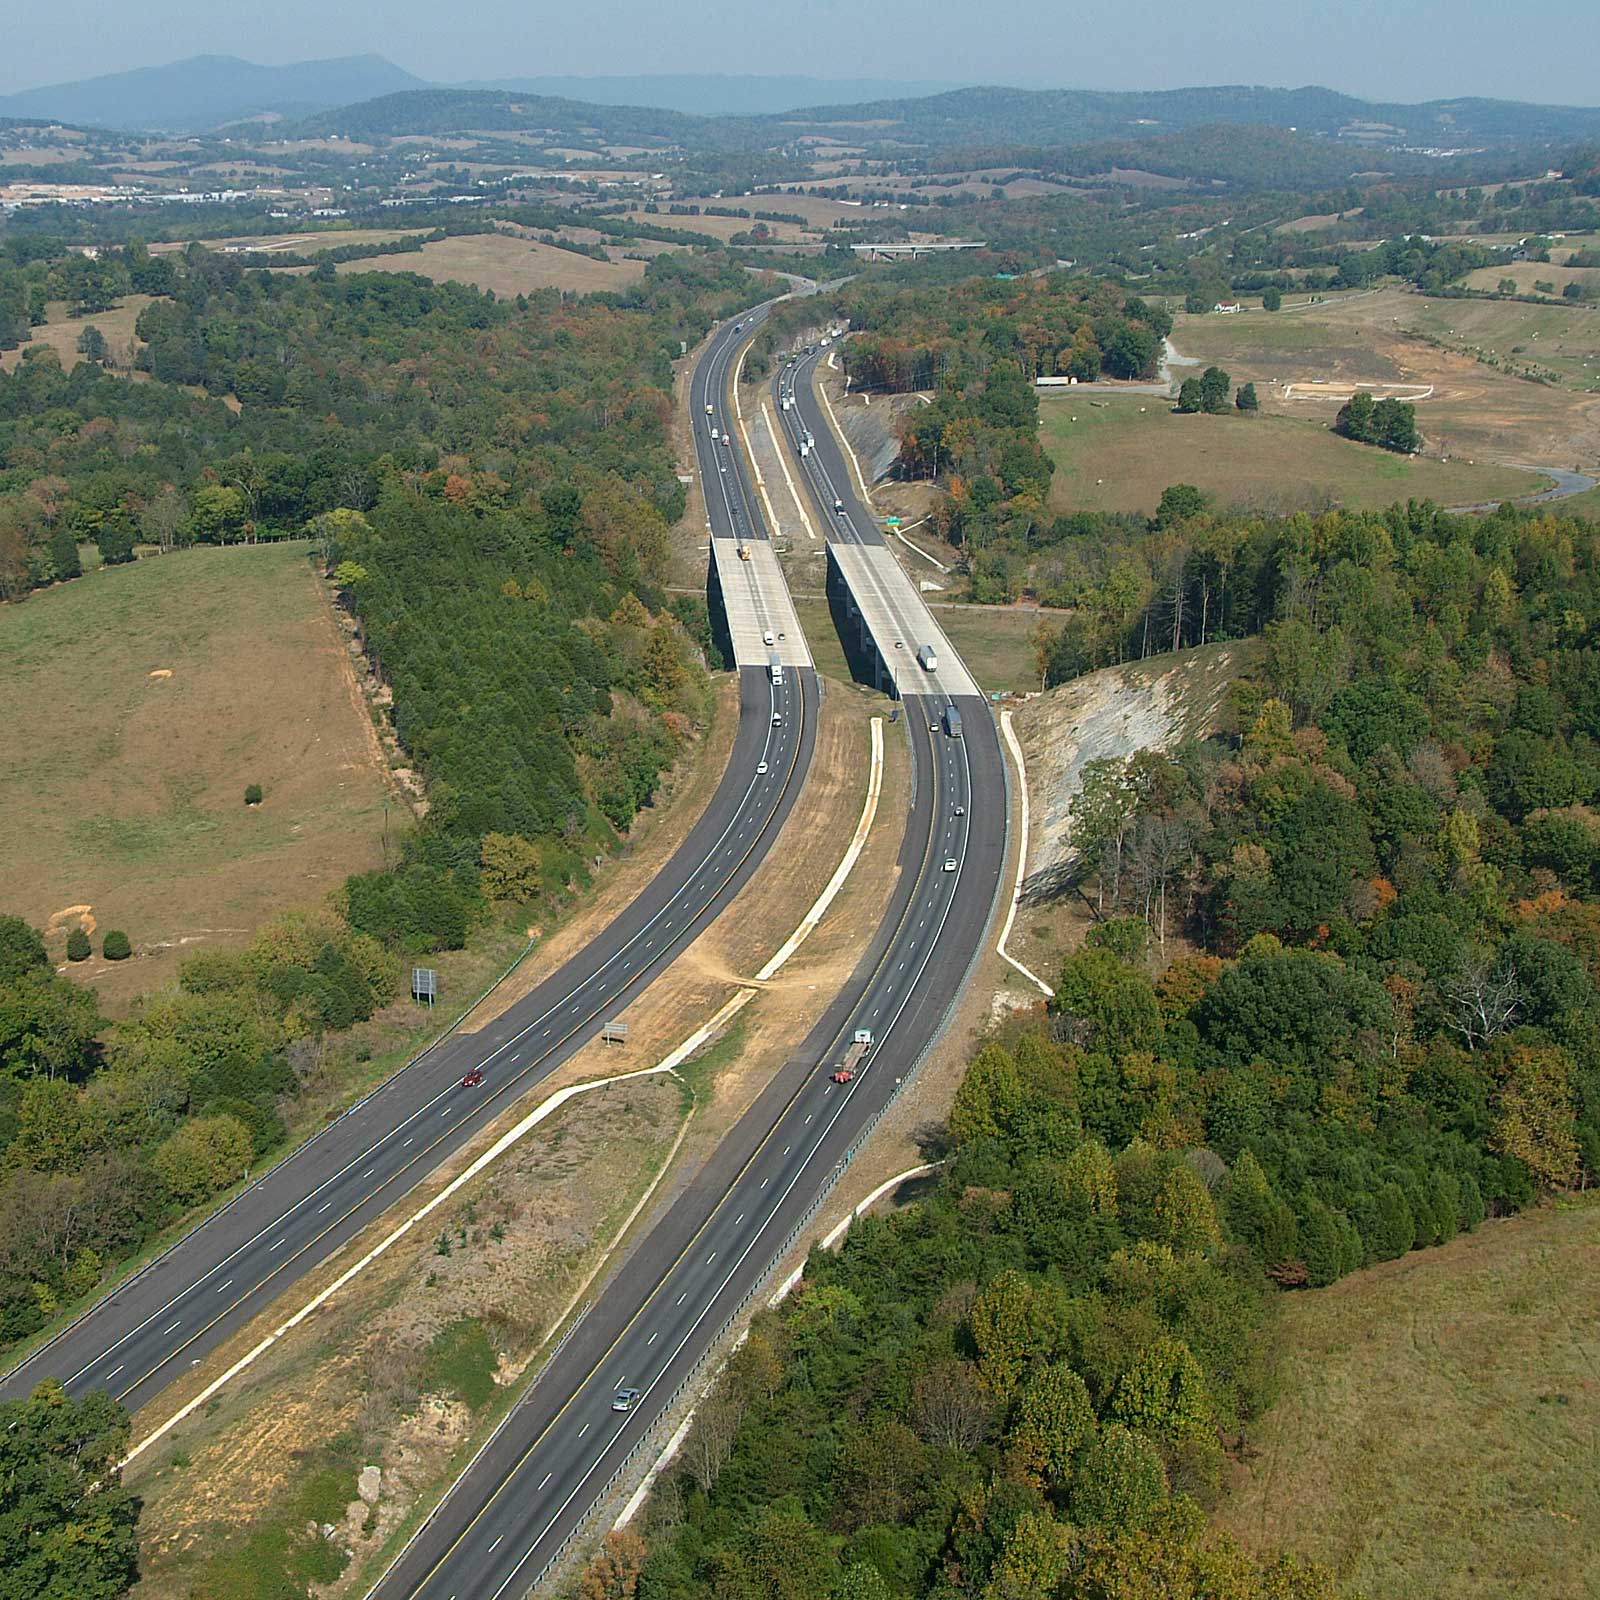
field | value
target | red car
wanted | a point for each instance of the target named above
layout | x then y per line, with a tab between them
473	1078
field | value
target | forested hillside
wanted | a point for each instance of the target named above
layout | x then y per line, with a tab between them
1341	1004
490	486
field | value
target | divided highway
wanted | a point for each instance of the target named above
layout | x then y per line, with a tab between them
162	1321
526	1496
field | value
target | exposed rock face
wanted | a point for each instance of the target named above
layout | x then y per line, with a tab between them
368	1484
1141	705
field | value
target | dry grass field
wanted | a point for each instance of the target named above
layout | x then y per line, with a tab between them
295	244
1527	275
1439	1420
138	703
61	332
1118	453
1479	410
506	265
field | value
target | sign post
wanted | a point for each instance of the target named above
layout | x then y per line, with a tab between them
425	985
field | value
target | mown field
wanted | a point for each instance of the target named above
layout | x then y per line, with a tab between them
122	791
1119	453
1439	1420
508	266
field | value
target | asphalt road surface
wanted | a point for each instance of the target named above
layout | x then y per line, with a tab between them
165	1319
527	1494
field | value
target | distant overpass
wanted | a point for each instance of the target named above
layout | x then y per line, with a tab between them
911	252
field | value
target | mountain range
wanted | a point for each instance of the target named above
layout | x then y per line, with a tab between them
370	95
203	93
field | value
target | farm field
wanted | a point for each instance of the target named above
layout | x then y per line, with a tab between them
1527	275
725	228
1121	453
294	244
506	265
123	791
1437	1420
1467	350
61	332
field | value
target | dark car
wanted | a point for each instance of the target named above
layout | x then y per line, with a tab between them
473	1078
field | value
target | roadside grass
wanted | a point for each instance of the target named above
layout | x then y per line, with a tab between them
138	703
282	1554
1438	1419
996	644
1120	452
505	264
461	1360
1586	504
822	636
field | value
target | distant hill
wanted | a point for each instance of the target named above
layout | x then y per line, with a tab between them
204	92
1070	116
1041	118
502	110
712	94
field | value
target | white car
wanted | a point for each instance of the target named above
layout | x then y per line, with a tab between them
949	863
761	769
767	638
626	1400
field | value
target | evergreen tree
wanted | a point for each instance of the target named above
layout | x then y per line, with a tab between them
64	561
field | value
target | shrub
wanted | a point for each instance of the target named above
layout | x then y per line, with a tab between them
203	1157
78	947
116	946
252	794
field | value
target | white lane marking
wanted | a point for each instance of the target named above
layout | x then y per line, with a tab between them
115	1370
544	1480
682	1297
651	1340
275	1244
322	1208
583	1430
221	1287
496	1545
177	1324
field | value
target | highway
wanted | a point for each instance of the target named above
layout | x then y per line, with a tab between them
526	1496
887	601
159	1323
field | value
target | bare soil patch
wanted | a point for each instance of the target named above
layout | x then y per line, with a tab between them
1468	350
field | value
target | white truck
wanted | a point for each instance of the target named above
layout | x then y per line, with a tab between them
928	657
775	666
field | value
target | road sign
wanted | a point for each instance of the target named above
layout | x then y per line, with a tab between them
614	1033
891	522
424	984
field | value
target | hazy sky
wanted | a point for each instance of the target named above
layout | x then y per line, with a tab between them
1544	50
